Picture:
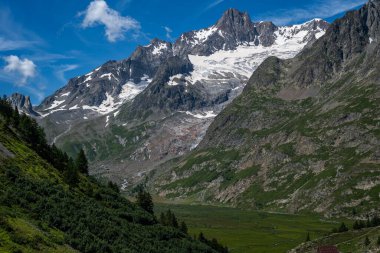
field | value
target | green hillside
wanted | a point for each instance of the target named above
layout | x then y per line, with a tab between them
44	209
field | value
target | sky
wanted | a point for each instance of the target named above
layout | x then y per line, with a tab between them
45	43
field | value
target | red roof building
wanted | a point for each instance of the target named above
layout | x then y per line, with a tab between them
327	249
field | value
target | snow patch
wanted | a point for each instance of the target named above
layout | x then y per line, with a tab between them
172	81
55	104
202	115
129	91
243	61
65	94
89	78
160	48
203	35
107	75
107	120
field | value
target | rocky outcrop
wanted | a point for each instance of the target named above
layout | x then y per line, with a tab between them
23	104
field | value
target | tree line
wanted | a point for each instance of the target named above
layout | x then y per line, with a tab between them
168	218
33	135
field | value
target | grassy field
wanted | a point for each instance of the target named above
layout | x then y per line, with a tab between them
250	231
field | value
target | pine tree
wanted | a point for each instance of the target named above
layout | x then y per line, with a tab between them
71	174
144	200
81	162
201	237
367	242
15	117
183	227
342	228
173	221
308	237
163	219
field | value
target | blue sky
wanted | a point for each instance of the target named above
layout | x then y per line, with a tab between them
44	43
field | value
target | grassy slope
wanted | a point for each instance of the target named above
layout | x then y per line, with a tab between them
18	231
39	212
247	231
352	241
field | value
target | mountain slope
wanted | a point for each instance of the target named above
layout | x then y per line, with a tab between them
351	241
304	134
134	114
45	209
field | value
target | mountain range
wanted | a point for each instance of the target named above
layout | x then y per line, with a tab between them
302	136
132	115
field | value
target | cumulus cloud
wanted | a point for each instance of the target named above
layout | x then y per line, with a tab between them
99	13
23	67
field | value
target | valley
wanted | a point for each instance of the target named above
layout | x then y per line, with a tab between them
249	231
244	136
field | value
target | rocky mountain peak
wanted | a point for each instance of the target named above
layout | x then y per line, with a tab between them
233	18
22	103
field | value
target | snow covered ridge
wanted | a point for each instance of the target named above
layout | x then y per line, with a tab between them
115	82
242	62
110	104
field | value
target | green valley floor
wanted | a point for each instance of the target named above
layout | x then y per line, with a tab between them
251	231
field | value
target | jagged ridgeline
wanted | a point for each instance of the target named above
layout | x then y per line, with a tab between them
302	136
49	204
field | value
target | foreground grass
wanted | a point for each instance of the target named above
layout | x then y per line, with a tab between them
250	231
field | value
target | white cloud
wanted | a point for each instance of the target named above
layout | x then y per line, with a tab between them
168	31
23	67
8	45
213	4
99	13
320	9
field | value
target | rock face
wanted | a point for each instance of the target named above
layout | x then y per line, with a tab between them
134	114
23	104
303	135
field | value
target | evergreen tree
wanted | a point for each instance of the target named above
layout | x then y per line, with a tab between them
201	237
144	200
173	220
15	117
71	173
308	237
367	242
163	220
114	186
183	227
342	228
378	241
356	225
81	162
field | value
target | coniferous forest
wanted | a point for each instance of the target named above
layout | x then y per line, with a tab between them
59	205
